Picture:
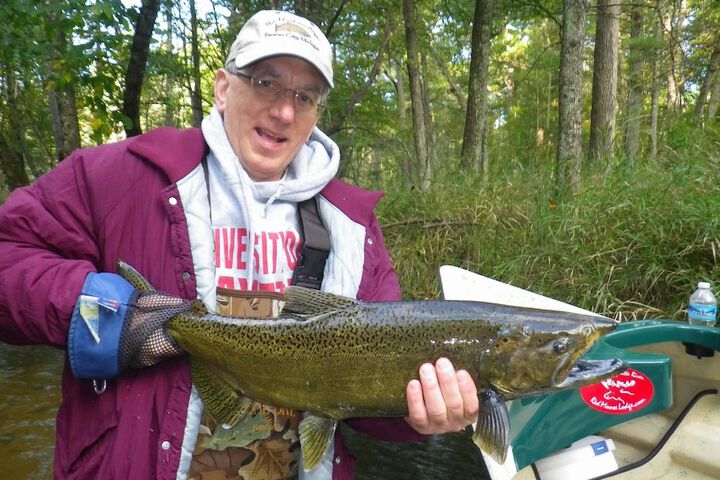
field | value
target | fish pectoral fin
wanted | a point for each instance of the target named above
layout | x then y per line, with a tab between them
492	432
316	433
198	307
225	405
308	301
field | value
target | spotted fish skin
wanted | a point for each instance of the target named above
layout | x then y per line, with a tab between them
338	358
356	361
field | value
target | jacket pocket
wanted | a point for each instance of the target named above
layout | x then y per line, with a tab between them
93	447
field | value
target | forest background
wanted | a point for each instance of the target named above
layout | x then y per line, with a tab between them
568	147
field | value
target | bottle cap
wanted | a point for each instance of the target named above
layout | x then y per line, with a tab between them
703	284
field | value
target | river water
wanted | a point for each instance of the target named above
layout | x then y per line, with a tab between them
30	394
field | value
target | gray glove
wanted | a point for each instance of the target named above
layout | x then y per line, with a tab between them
144	341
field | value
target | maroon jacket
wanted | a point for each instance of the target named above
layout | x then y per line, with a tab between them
114	202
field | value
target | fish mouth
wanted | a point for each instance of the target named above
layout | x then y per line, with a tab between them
577	371
586	372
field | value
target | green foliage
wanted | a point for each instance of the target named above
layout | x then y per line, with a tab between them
632	244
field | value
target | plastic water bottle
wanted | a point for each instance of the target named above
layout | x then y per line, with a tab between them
702	309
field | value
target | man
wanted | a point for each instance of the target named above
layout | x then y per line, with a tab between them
197	212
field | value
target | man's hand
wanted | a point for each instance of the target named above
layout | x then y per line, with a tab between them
443	400
144	341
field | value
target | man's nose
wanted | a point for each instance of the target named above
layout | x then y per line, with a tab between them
283	106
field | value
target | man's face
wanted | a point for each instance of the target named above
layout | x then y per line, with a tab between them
267	133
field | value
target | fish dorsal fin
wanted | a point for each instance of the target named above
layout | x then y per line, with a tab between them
308	301
492	432
316	433
225	405
133	277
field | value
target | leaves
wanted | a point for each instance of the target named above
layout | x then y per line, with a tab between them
370	107
250	429
262	446
273	460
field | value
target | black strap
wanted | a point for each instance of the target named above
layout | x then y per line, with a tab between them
310	267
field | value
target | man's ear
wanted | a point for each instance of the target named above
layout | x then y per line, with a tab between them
222	84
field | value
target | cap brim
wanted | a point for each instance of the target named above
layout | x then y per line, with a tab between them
276	49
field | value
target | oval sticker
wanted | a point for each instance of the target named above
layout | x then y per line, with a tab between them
624	393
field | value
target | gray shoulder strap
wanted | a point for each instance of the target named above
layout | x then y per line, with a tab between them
310	267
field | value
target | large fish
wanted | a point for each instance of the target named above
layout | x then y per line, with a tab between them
336	357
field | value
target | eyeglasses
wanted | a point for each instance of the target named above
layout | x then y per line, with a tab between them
272	89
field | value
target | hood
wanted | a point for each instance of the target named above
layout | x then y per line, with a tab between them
314	166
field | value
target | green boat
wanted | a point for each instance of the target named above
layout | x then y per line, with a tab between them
658	420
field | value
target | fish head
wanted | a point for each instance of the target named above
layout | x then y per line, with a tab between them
546	356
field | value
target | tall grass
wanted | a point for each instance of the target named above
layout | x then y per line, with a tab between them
632	244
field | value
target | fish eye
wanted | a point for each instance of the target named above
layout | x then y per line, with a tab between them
560	346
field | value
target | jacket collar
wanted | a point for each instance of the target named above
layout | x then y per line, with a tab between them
175	152
355	202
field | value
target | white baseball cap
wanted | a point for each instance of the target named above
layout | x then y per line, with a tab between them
270	33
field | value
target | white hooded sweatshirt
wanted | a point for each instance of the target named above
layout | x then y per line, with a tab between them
256	224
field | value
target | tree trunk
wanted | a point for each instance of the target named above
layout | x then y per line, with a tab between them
12	142
602	116
473	146
12	166
673	20
569	151
708	81
655	88
550	98
485	160
635	94
196	96
714	99
61	99
169	120
66	127
427	116
400	86
136	67
421	166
